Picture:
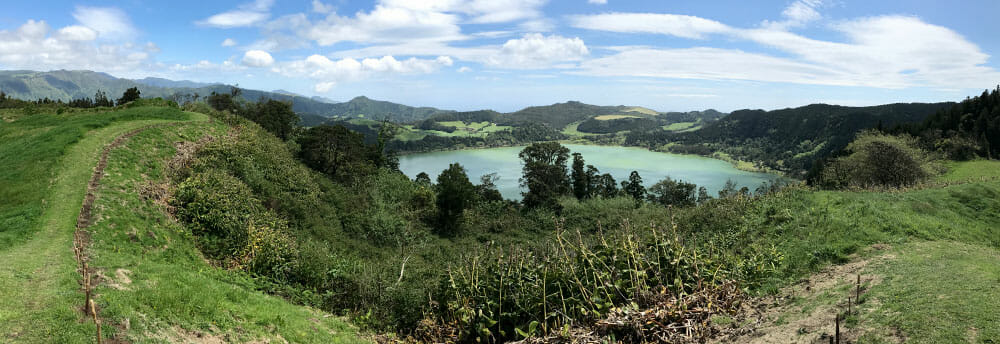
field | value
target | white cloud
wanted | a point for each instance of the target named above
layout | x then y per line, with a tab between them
799	13
229	42
666	24
257	58
108	22
598	2
321	8
152	48
535	50
884	51
464	69
247	14
710	64
35	46
328	72
387	24
77	33
537	25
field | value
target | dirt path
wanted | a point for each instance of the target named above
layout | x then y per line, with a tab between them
89	276
806	311
40	288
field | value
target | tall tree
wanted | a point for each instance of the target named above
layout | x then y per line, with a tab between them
579	177
593	181
633	187
336	151
455	193
130	94
274	116
544	174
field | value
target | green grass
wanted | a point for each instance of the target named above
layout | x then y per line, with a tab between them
480	129
970	171
681	126
46	163
939	292
612	117
172	285
570	130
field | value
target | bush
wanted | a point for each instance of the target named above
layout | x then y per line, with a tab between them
876	160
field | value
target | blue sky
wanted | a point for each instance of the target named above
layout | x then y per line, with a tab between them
506	54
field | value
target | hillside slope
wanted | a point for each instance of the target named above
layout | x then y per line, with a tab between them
152	283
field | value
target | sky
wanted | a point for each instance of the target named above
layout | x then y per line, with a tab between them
668	55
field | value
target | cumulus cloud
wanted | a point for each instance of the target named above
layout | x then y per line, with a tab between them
34	45
328	72
537	51
108	22
247	14
229	42
77	33
257	58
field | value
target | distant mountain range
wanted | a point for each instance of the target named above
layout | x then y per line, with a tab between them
67	85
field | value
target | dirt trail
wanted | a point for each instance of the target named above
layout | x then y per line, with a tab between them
806	311
81	239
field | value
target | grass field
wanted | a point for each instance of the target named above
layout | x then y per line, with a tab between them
480	129
642	110
935	284
611	117
172	294
682	126
971	170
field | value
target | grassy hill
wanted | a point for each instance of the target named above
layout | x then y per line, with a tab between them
158	283
154	284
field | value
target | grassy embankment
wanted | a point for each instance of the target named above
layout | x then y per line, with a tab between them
932	278
157	288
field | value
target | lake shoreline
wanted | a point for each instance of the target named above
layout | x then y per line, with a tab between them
737	164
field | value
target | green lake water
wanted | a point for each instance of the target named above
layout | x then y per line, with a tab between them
619	161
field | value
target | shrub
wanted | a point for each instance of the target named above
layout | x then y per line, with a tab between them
879	160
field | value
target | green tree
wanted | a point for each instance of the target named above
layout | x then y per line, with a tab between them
607	187
728	190
338	152
274	116
633	187
669	192
487	188
544	174
703	195
101	99
423	179
579	177
130	94
593	181
455	193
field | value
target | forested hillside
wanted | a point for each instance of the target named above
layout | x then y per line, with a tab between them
787	140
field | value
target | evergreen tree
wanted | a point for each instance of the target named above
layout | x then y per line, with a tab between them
130	94
455	193
579	177
423	179
633	187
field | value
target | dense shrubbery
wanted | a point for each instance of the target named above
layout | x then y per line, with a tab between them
876	160
375	245
615	125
